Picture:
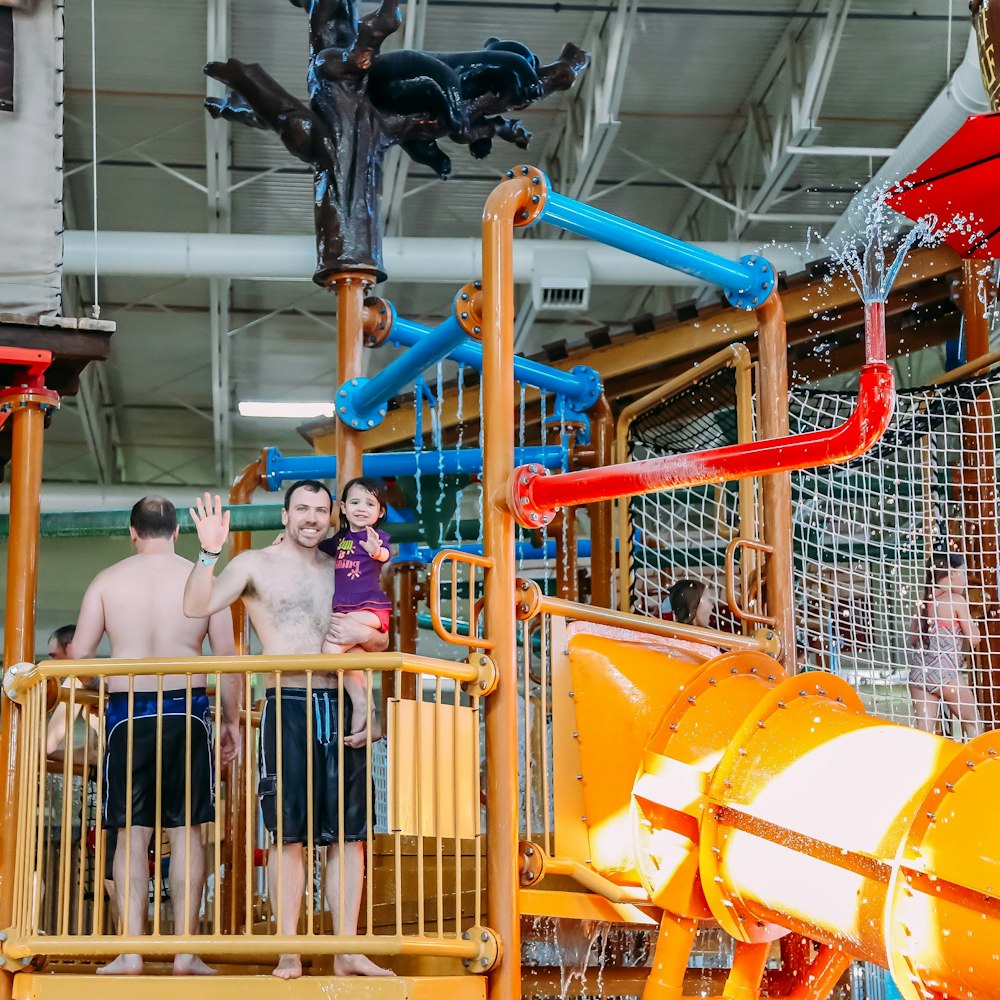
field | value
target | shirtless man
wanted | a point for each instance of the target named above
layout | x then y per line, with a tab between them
287	590
137	602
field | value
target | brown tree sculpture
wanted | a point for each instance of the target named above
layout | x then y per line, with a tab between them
361	103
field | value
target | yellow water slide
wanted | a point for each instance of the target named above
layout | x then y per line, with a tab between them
777	804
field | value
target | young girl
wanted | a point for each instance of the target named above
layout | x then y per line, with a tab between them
943	631
359	549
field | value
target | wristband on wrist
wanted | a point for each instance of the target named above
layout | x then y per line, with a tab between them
209	552
207	558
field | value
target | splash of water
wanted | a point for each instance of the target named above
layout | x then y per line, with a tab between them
872	256
873	262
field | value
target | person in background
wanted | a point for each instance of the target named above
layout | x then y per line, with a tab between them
137	602
943	631
691	603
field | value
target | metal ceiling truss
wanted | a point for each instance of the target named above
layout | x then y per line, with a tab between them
580	143
777	123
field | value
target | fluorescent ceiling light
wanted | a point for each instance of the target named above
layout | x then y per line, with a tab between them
297	411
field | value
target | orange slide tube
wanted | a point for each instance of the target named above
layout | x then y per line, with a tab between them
777	804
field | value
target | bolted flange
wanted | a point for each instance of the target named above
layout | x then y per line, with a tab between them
519	498
527	599
349	413
531	863
758	287
532	210
490	949
468	308
489	675
15	681
377	318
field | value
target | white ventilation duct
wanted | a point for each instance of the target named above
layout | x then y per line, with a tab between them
58	498
962	96
451	261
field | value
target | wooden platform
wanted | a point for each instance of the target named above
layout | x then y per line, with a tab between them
59	986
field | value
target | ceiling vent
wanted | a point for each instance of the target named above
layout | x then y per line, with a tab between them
560	282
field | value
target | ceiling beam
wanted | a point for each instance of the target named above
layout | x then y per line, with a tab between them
782	110
586	131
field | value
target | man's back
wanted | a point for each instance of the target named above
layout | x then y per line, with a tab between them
141	600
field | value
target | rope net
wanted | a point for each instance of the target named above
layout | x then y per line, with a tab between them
865	535
683	533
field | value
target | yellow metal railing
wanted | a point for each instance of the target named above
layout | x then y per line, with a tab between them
458	631
424	883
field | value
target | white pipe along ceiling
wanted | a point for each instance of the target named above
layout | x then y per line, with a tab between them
418	259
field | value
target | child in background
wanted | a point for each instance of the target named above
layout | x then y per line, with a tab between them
360	549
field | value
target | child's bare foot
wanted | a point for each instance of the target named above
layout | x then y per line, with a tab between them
192	965
358	965
288	967
123	965
358	720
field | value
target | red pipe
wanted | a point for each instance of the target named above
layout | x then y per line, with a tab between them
535	495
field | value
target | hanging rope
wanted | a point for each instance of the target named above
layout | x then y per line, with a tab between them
96	309
947	65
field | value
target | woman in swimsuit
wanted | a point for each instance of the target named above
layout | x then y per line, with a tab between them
943	631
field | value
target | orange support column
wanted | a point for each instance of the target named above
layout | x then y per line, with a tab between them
510	201
27	417
979	494
602	526
351	288
776	491
981	510
977	293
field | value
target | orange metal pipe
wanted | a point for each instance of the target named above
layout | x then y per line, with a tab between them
602	528
670	958
747	973
510	200
351	288
823	974
27	426
977	293
776	489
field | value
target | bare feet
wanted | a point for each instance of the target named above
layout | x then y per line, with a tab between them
192	965
123	965
288	967
359	736
358	965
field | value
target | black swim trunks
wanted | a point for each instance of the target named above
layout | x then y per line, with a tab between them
173	808
325	751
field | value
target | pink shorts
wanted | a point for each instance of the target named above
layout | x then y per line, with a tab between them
382	614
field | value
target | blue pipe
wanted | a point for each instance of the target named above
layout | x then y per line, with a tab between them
279	468
746	282
361	402
580	387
